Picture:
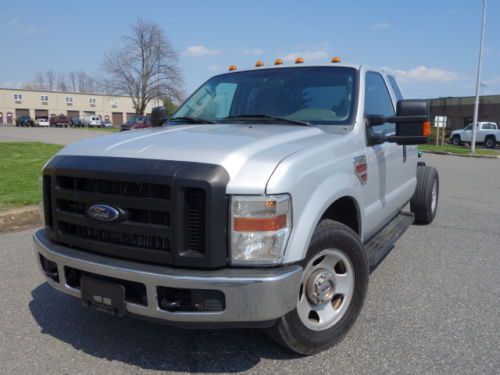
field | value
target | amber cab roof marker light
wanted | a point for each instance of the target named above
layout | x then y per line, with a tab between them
335	59
232	67
299	60
278	62
259	63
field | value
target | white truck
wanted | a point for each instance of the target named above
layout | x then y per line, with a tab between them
264	201
487	133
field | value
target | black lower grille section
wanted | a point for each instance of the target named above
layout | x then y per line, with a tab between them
164	212
142	241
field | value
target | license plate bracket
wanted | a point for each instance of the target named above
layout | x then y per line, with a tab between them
103	295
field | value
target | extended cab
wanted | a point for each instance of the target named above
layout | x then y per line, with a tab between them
487	133
264	201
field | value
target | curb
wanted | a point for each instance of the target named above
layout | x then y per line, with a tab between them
20	218
463	155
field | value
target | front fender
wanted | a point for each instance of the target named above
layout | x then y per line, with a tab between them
313	191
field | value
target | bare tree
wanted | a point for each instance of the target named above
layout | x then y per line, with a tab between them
72	82
145	68
86	83
50	80
61	82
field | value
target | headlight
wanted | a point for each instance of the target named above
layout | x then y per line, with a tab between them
260	226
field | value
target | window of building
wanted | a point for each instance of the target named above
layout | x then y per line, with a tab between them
18	97
114	103
69	100
44	98
92	101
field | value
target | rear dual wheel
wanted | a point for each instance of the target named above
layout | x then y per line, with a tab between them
332	291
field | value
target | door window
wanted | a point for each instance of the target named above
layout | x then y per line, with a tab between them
378	102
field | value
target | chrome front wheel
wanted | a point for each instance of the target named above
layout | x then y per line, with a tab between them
327	289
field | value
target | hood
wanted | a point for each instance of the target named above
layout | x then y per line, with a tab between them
249	153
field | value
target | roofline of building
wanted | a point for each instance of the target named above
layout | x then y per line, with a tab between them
465	97
63	92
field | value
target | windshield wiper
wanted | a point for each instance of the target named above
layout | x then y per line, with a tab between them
267	117
192	120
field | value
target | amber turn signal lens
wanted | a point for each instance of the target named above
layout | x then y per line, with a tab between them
278	62
336	59
265	224
232	67
299	60
426	129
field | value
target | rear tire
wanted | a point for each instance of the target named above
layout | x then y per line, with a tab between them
425	200
332	292
490	142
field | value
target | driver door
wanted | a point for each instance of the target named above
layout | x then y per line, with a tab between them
386	169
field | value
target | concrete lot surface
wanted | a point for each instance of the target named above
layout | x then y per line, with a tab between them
59	136
432	307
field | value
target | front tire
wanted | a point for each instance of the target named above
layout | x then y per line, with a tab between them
425	199
332	292
455	140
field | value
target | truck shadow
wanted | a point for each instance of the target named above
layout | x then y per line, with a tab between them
148	345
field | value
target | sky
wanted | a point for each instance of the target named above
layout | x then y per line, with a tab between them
431	46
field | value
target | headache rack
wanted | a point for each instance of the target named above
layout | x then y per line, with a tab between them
171	212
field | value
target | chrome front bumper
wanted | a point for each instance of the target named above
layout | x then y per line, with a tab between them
251	295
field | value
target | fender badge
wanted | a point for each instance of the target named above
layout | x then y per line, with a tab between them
361	169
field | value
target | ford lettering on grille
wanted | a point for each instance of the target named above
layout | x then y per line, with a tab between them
103	212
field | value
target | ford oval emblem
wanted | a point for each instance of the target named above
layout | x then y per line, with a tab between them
103	212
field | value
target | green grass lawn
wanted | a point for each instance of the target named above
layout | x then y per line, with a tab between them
457	149
20	170
109	130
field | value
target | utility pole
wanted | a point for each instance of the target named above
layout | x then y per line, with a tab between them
478	82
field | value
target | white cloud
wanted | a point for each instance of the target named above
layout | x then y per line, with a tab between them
251	51
28	29
380	26
214	68
494	80
200	51
308	55
425	74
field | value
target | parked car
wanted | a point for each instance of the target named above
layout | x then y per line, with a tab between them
266	205
42	122
76	122
59	121
24	121
92	121
487	133
107	124
136	122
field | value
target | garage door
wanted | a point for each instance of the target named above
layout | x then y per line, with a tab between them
117	118
129	115
22	112
41	113
72	114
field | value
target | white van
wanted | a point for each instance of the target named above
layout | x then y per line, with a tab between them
92	121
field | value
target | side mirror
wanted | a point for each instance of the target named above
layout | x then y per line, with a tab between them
413	126
158	116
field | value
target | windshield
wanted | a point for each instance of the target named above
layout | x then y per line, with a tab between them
316	95
135	119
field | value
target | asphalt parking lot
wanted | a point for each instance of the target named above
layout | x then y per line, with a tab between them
59	136
432	307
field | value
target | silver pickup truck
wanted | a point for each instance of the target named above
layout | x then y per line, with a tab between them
487	133
265	201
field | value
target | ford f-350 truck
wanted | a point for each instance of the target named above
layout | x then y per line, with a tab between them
264	201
